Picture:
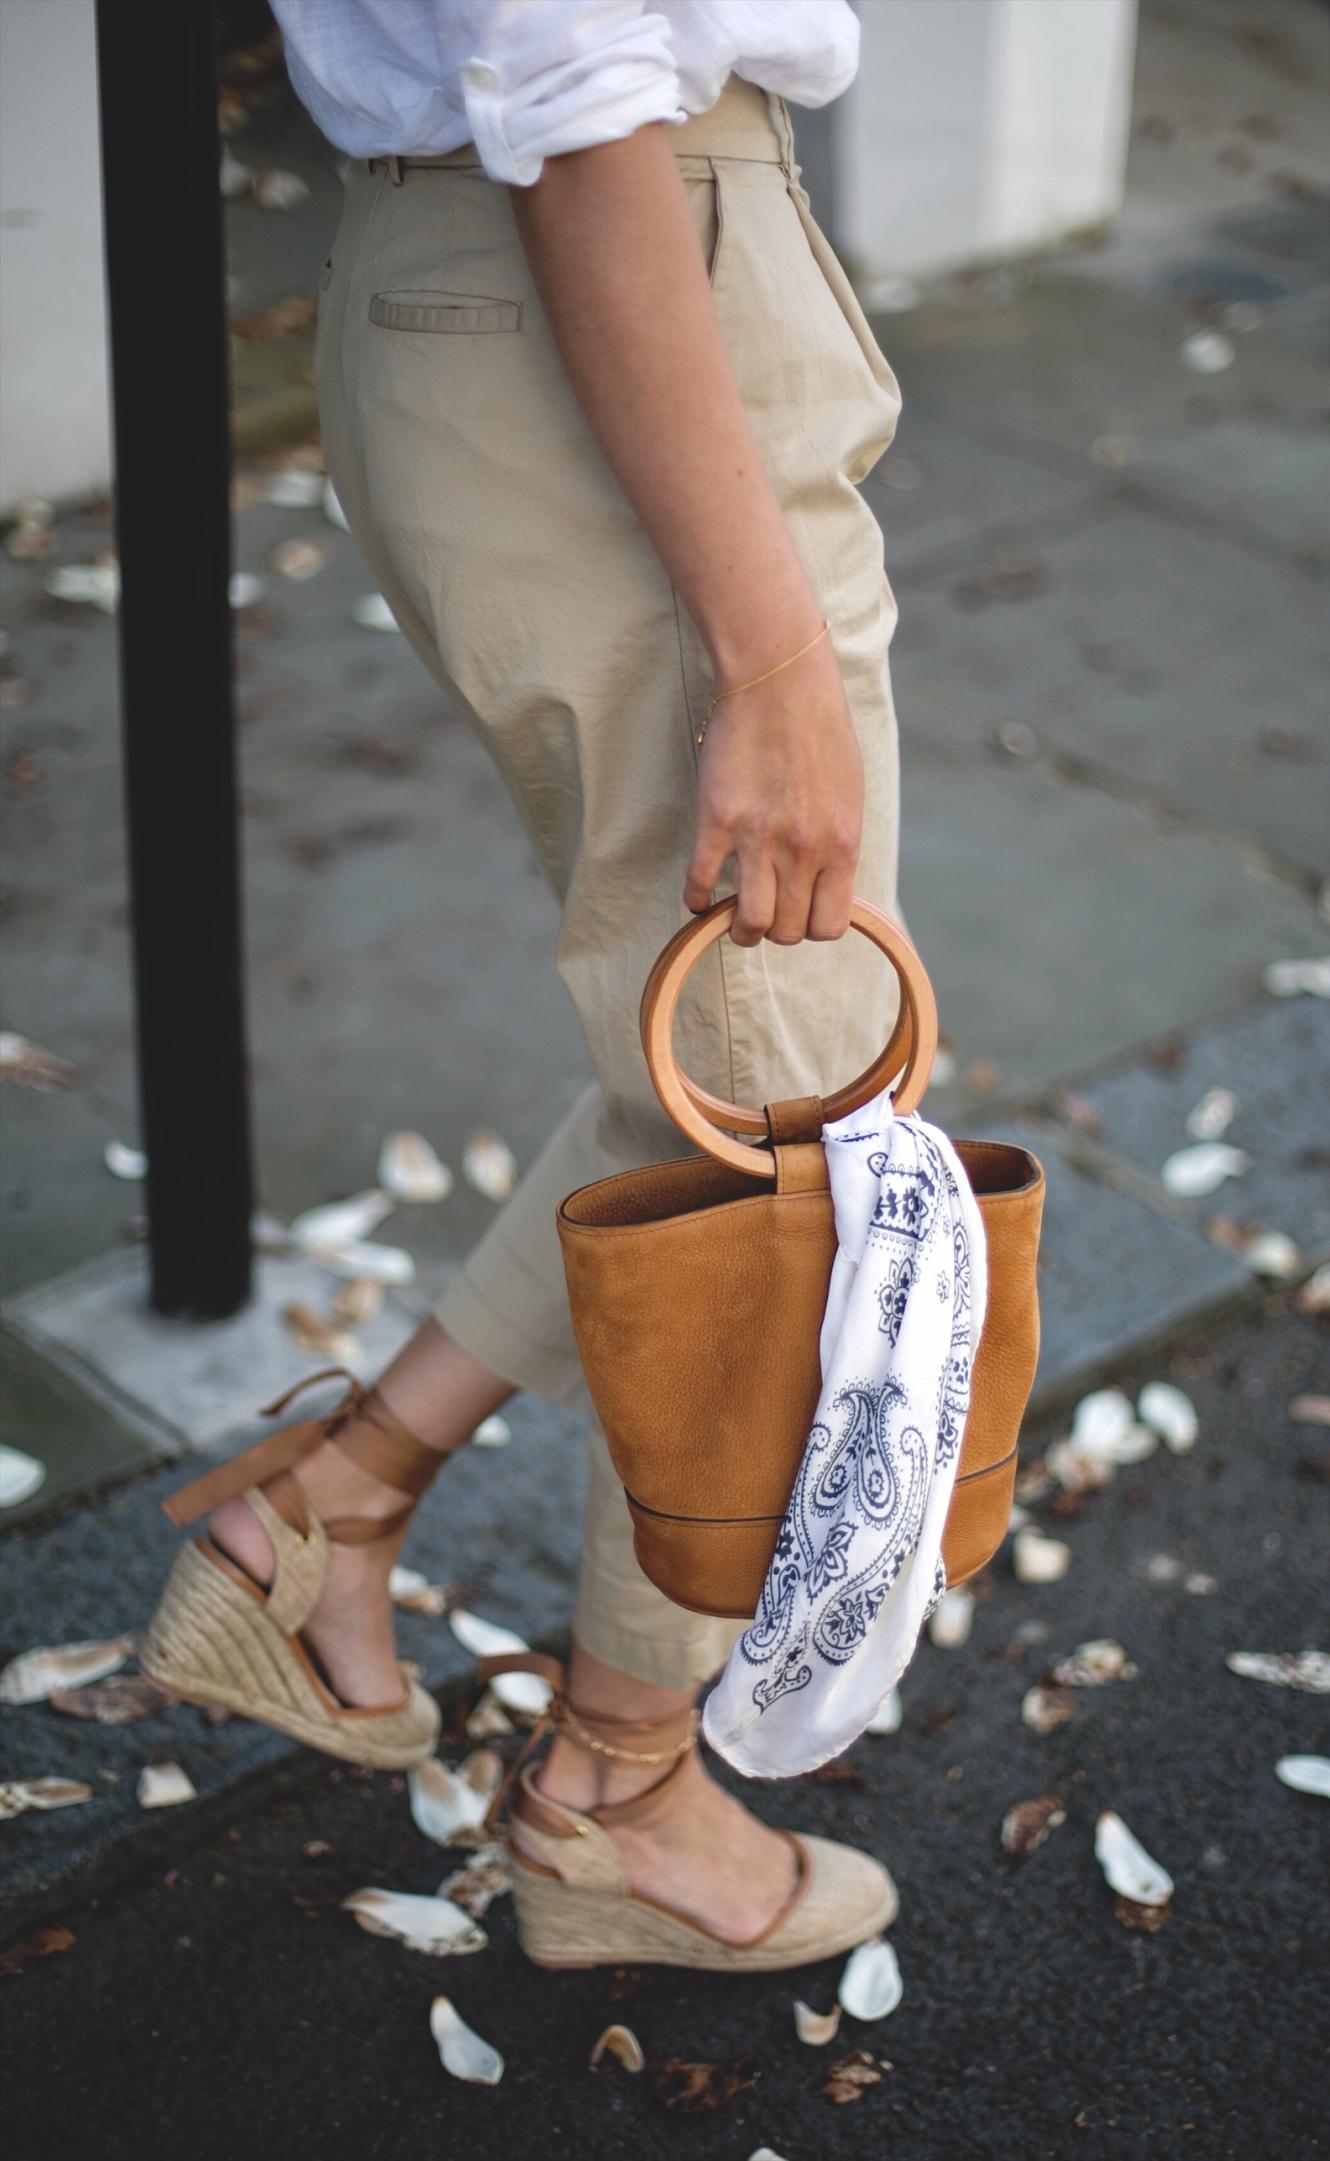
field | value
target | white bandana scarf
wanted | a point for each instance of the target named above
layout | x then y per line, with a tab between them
858	1563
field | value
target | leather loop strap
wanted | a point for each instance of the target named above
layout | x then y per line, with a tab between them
700	1115
802	1168
800	1118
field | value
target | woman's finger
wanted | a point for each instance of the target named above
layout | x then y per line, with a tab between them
710	849
829	915
794	897
757	900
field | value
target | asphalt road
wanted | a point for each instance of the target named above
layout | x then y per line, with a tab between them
223	2004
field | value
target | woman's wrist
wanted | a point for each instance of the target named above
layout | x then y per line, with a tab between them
745	638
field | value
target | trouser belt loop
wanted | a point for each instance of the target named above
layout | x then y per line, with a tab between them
395	174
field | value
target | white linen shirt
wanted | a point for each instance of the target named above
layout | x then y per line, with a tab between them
526	79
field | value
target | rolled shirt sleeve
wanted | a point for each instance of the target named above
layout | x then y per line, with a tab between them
541	78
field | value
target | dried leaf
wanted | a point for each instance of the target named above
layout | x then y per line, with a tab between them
1310	1410
1133	1914
871	1985
36	1675
1305	1774
313	1332
117	1702
1094	1665
621	2043
341	1223
1037	1559
446	1806
298	559
1211	1118
816	2028
461	2051
485	1877
1028	1824
1294	978
695	2087
18	1794
850	2079
40	1944
411	1171
21	1476
164	1785
1046	1709
1191	1172
1306	1670
285	318
525	1693
434	1926
24	1064
951	1620
492	1432
1314	1295
359	1301
488	1164
125	1162
1128	1868
488	1721
1172	1415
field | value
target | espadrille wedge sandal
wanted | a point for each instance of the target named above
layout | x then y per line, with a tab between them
572	1897
219	1637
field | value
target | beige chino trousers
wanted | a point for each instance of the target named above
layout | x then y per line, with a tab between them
520	573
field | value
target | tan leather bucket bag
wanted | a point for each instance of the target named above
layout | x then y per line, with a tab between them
698	1287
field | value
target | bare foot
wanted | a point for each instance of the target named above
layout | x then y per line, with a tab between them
704	1855
350	1631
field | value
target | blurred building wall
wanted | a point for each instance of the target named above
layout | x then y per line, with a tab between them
54	427
980	128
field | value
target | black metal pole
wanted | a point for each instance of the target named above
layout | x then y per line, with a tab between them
166	288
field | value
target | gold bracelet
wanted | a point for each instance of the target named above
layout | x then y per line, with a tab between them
722	695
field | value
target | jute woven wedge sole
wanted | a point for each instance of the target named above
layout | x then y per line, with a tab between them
212	1640
560	1925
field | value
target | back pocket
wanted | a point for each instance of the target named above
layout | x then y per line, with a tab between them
441	313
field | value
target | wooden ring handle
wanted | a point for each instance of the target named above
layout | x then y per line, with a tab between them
700	1115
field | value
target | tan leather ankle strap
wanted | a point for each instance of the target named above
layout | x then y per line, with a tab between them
361	1426
658	1743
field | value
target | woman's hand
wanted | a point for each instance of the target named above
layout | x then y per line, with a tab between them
780	788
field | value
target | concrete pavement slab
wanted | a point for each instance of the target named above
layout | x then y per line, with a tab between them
78	1439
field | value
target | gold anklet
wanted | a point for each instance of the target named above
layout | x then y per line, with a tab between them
567	1717
781	665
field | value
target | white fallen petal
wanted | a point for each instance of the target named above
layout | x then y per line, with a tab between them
269	1235
361	1260
342	1223
358	1301
492	1432
816	2028
887	1717
1018	1517
89	585
295	489
124	1162
37	1675
1191	1172
1314	1296
1208	352
523	1692
372	612
407	1587
21	1476
1037	1559
332	508
486	1877
279	190
444	1806
1046	1709
1171	1414
1079	1469
1305	1670
27	1065
1273	1255
1305	1774
1211	1118
1163	1568
432	1925
299	559
1294	978
622	2044
244	589
1094	1665
20	1794
871	1985
1133	1446
951	1620
1100	1417
1200	1585
1310	1410
461	2051
765	2153
164	1785
411	1171
489	1165
233	178
1129	1869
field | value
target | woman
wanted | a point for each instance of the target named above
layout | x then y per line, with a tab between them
596	396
